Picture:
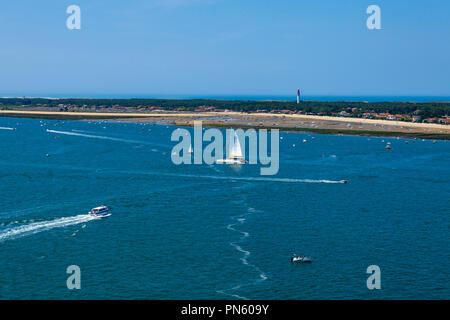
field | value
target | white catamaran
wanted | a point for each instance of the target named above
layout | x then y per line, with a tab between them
235	154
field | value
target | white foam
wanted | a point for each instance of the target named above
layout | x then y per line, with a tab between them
6	128
35	227
68	133
262	277
262	179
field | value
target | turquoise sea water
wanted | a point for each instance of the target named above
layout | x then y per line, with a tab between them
211	232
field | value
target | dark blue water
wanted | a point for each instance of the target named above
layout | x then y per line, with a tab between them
210	232
281	97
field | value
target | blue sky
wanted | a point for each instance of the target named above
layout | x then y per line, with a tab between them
225	47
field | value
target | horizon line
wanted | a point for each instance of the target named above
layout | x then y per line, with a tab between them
262	98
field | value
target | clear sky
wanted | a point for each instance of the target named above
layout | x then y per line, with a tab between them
225	47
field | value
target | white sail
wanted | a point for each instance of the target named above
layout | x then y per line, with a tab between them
235	156
235	147
190	149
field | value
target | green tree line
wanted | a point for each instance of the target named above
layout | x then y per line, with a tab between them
427	109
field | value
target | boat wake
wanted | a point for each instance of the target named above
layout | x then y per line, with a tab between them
262	179
69	133
233	178
7	128
35	227
240	220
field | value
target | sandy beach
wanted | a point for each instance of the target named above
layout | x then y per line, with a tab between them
311	123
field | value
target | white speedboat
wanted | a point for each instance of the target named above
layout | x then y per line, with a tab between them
101	211
301	259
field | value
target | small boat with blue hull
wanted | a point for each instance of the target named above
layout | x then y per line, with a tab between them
101	211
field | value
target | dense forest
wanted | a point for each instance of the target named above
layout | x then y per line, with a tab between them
428	109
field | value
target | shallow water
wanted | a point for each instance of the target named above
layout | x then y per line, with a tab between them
209	232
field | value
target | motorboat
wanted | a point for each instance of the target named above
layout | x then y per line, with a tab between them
101	211
301	259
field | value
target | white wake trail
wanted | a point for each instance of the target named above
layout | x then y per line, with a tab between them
68	133
35	227
286	180
231	178
7	128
